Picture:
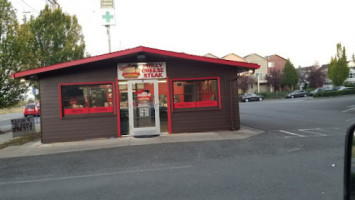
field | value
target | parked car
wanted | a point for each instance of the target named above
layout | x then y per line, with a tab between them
251	97
297	93
322	89
340	88
32	109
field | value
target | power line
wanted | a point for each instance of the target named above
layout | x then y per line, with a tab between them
54	3
29	6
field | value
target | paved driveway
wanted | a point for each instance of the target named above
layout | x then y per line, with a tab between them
300	156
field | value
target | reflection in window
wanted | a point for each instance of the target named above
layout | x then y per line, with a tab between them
84	99
195	93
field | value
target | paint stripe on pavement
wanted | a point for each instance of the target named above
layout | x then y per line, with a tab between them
290	133
96	175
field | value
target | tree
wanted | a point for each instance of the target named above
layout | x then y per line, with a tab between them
11	90
244	82
274	79
316	77
338	70
53	37
290	75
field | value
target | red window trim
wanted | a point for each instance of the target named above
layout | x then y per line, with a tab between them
193	79
86	83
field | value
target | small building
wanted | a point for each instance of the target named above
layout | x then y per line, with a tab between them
138	91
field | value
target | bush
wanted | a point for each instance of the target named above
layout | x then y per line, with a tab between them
334	93
349	84
274	95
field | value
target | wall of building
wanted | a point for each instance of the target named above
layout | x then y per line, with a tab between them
74	127
55	129
277	62
261	72
207	119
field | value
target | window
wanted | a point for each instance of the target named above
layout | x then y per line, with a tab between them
86	98
271	64
196	93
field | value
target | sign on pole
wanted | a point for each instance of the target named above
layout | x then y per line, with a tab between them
107	13
108	17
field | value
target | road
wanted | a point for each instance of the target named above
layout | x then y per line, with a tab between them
300	156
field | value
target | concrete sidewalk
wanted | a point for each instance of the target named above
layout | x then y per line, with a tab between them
37	148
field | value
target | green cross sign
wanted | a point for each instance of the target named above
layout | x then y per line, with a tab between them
107	16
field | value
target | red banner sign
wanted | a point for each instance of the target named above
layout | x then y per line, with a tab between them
73	111
185	105
101	109
207	103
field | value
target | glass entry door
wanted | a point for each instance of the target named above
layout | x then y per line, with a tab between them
143	105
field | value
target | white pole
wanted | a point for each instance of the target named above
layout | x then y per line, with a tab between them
258	84
109	38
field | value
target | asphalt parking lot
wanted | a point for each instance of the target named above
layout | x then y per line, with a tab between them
299	156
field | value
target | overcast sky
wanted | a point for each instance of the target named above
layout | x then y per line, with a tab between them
303	30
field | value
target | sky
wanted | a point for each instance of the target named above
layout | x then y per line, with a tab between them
305	31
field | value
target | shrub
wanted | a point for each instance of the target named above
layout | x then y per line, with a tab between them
349	84
274	95
334	93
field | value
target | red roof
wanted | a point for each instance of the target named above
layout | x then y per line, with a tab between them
132	51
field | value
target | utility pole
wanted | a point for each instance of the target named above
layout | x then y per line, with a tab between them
109	38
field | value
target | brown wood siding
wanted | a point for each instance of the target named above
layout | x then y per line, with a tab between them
55	129
207	120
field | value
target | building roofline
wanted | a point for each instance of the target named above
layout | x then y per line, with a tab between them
138	49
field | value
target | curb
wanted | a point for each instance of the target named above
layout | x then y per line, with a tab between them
35	148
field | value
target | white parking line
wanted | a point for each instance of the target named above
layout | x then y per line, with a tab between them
96	175
311	130
351	119
352	107
290	133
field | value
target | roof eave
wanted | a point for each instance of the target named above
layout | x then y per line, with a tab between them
132	51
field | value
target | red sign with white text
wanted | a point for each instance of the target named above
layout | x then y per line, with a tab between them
73	111
207	103
185	105
101	109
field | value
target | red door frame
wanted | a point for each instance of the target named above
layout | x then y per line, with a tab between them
118	107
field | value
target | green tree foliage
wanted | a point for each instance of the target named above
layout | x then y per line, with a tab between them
10	54
338	70
53	37
289	74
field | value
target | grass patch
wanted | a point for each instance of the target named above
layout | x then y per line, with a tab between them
11	110
21	140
